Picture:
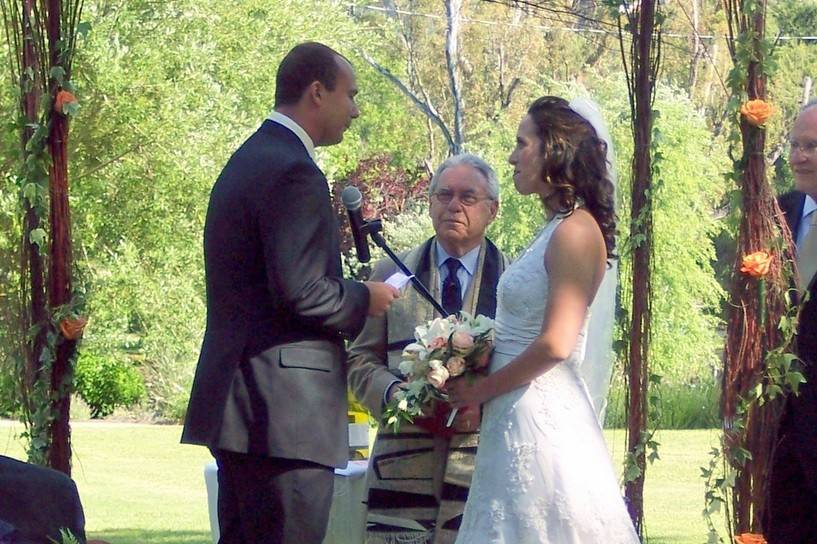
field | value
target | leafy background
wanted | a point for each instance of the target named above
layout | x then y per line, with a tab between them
168	90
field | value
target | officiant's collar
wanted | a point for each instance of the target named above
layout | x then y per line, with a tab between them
468	261
281	119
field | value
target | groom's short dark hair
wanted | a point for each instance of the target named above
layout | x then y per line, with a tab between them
305	63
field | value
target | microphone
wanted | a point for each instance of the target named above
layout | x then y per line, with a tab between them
352	200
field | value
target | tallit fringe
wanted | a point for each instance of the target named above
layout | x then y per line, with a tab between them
410	537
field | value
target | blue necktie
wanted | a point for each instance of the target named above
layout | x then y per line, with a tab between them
806	253
452	290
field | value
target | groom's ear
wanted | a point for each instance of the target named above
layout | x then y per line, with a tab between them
314	93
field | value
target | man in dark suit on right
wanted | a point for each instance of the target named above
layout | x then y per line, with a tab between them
269	395
793	486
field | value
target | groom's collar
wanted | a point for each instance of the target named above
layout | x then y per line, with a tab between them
281	119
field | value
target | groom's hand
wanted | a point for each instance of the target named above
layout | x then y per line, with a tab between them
381	295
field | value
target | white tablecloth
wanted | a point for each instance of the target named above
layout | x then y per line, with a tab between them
347	518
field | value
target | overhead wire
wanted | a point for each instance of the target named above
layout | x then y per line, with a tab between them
540	7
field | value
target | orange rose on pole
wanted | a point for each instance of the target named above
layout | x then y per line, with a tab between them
757	112
756	264
64	101
72	327
750	538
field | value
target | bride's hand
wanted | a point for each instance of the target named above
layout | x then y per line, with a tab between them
467	391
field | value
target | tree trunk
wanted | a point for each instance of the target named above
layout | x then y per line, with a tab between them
641	228
697	48
59	454
711	73
453	9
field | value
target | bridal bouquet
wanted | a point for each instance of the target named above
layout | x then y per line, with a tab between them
445	348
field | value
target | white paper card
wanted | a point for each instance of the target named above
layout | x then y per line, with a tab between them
398	280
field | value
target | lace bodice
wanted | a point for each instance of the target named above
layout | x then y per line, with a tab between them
522	296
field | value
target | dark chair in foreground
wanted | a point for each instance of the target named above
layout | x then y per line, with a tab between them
36	502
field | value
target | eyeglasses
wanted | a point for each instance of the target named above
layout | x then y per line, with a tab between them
466	199
807	149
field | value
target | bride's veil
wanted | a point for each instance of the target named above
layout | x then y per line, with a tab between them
596	370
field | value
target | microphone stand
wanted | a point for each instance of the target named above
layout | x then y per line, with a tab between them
372	227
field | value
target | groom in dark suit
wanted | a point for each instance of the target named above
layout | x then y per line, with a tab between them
269	395
793	485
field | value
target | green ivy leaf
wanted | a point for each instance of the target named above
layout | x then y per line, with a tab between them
30	193
773	391
70	109
714	506
631	472
57	73
83	29
794	379
37	237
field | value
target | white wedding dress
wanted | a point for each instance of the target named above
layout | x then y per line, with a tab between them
543	473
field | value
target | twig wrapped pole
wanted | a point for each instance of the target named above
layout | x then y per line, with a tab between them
756	306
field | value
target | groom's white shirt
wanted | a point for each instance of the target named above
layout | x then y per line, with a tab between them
281	119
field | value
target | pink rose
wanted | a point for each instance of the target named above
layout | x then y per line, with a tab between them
437	343
438	374
462	341
455	366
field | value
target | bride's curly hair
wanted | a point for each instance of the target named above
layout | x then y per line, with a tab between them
575	164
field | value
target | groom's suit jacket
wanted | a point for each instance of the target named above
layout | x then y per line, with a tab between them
417	482
800	420
271	380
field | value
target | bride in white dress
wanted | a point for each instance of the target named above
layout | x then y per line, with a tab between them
543	473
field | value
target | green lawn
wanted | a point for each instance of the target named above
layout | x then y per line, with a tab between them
140	486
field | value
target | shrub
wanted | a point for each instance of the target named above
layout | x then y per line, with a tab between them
106	383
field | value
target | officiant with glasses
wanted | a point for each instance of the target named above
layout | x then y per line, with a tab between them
793	485
419	477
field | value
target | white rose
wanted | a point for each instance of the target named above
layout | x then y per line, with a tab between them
439	327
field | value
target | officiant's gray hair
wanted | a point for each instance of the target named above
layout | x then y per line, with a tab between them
474	162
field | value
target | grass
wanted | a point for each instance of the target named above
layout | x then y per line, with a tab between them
693	405
140	486
137	483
